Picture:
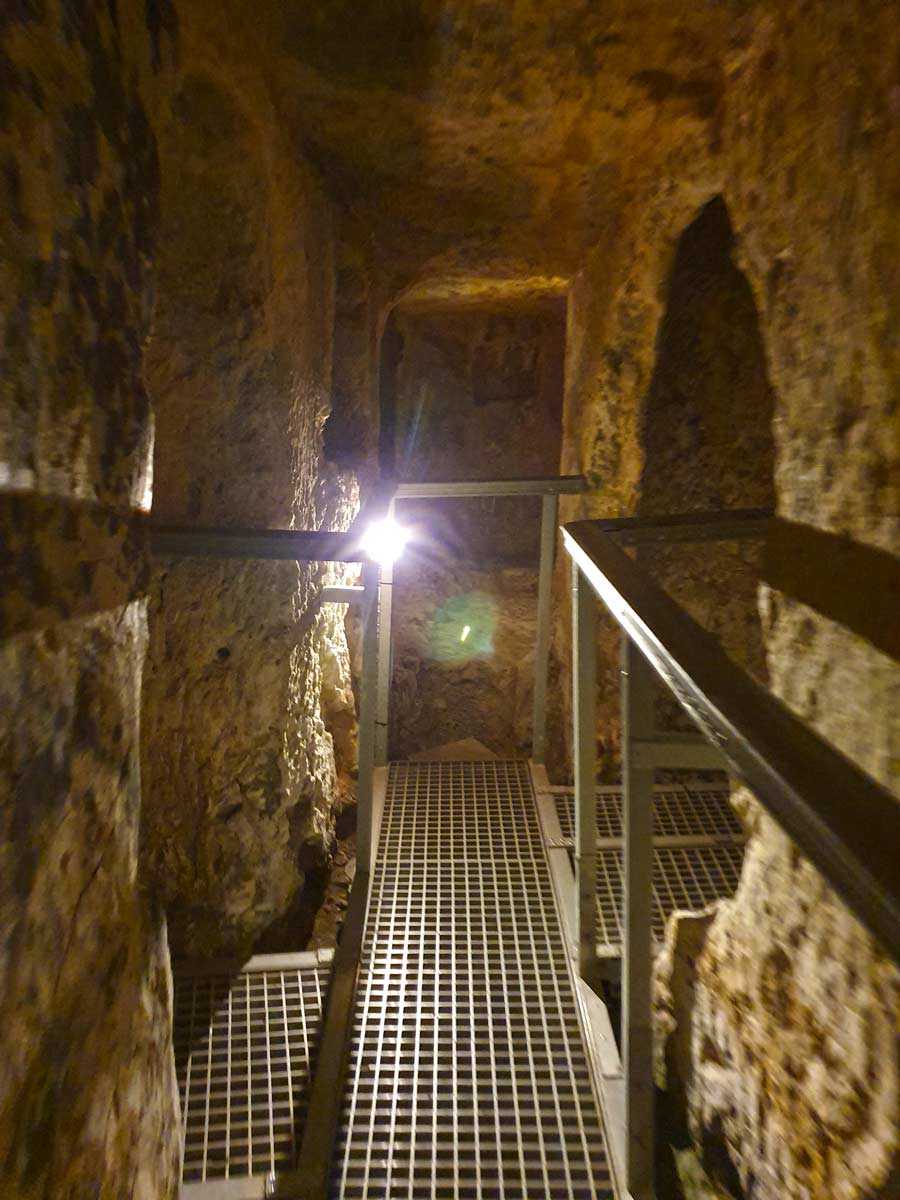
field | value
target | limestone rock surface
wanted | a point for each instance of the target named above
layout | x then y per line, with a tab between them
88	1106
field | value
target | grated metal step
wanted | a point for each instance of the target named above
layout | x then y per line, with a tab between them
244	1041
685	812
684	878
469	1076
702	866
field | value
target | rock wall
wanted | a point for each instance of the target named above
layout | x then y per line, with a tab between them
706	434
245	673
785	1050
88	1106
449	689
478	395
807	1092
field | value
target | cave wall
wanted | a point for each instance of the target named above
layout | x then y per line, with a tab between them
817	236
781	1025
88	1106
246	676
706	434
478	394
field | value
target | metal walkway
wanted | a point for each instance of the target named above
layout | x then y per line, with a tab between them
469	1075
698	851
245	1043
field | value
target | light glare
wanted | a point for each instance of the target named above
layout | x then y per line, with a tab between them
385	540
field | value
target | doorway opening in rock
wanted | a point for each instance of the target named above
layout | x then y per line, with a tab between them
707	435
708	445
469	393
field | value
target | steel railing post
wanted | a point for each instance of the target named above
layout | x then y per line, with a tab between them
367	716
637	982
549	520
383	686
584	682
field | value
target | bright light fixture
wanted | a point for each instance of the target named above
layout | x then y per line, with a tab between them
384	541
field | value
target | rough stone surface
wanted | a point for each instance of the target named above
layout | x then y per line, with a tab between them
88	1107
478	395
488	154
446	689
785	1095
87	1089
821	1041
706	434
244	671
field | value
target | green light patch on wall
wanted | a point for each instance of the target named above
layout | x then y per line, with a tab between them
462	628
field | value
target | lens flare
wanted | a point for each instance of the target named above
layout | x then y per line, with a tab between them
385	541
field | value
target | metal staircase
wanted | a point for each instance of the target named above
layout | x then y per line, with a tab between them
462	1052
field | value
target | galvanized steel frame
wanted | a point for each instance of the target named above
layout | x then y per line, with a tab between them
846	823
550	490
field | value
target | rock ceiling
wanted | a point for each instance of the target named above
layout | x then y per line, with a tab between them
480	143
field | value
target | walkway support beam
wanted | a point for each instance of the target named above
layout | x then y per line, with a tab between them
384	656
584	688
638	724
549	520
293	545
312	1176
368	700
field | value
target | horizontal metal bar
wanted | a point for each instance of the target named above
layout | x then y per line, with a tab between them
696	754
560	486
342	594
250	1187
722	526
687	841
842	820
296	961
308	545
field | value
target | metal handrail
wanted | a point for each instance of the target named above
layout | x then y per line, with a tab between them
842	820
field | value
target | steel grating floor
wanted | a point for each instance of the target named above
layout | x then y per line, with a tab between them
469	1075
686	811
244	1041
697	858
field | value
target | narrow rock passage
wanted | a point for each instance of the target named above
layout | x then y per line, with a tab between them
468	1075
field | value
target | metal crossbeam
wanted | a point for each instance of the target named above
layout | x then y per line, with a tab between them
563	485
308	545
